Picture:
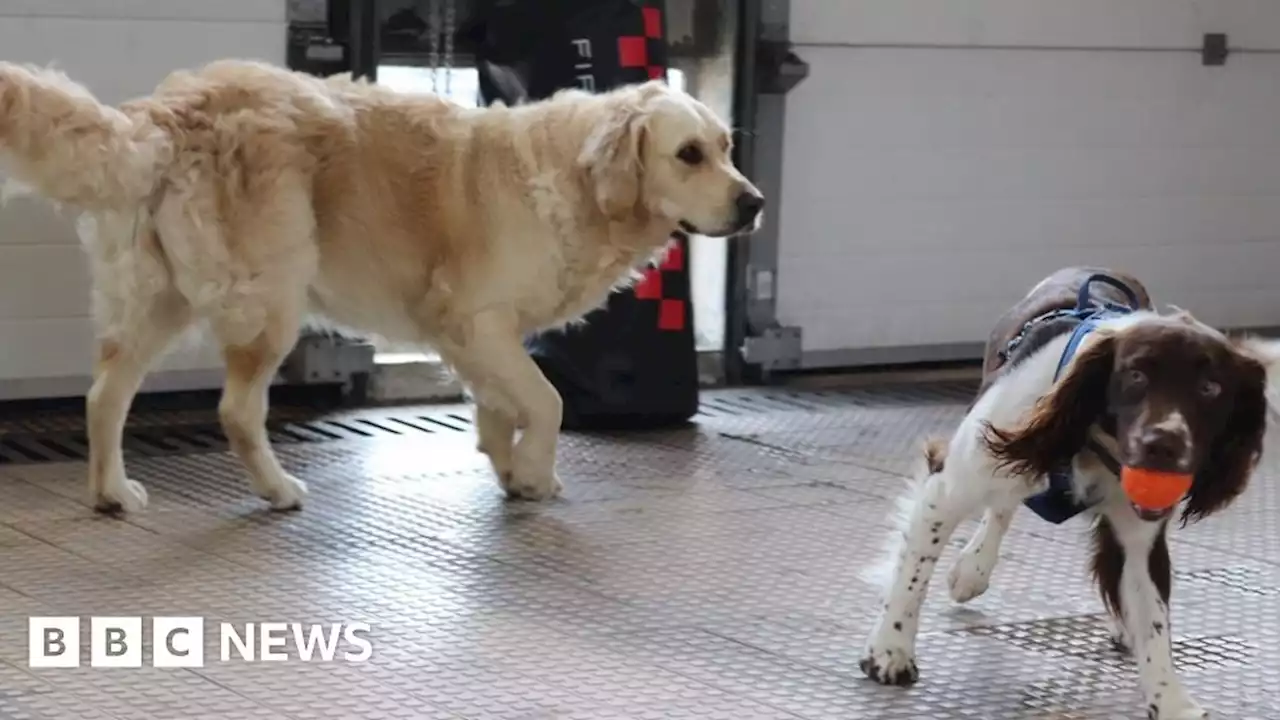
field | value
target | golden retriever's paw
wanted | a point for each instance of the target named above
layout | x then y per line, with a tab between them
122	496
285	494
530	486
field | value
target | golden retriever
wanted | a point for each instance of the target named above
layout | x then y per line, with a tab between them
254	200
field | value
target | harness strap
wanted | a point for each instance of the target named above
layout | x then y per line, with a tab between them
1058	503
1086	326
1088	311
1084	299
1104	455
1092	312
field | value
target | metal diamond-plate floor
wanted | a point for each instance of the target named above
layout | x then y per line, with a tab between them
710	573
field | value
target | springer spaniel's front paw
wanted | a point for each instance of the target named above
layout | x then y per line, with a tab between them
1176	706
890	664
1119	635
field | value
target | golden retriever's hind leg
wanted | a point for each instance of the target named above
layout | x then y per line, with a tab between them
247	250
501	374
124	354
243	411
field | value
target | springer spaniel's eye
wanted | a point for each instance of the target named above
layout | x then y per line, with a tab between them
1210	389
690	154
1132	385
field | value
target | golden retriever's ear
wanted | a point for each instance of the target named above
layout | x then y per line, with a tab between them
613	152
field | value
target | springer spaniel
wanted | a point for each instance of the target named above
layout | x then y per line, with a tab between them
1081	377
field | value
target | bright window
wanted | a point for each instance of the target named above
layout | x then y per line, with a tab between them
461	85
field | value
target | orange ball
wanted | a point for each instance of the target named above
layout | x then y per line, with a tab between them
1154	489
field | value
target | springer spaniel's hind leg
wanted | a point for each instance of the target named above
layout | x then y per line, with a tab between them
970	576
929	516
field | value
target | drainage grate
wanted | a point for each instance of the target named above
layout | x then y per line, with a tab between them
727	403
27	438
1241	578
142	439
1086	637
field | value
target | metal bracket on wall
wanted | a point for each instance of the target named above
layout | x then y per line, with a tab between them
326	360
777	348
1214	49
779	69
772	70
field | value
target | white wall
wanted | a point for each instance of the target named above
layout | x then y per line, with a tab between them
926	188
119	49
1036	23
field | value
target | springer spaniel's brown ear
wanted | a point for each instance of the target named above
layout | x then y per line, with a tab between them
1238	446
1266	352
1059	423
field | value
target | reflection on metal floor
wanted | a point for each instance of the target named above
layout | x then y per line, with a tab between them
711	572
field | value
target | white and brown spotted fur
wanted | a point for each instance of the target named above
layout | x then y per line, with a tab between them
1159	391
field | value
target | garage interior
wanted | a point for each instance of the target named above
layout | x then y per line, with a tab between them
929	165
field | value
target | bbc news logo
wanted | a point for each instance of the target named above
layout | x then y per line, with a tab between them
179	642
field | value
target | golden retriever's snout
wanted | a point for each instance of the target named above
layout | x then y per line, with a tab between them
749	206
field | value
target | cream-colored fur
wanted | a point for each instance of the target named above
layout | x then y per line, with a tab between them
254	200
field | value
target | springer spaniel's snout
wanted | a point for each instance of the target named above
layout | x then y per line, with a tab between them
1165	445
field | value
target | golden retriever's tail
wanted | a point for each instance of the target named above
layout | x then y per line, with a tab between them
60	142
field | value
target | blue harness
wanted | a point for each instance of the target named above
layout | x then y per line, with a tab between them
1059	503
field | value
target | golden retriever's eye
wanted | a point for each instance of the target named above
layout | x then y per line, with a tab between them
690	154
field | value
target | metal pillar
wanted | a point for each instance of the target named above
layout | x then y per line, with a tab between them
755	343
364	40
320	359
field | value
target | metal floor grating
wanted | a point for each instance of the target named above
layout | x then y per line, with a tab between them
705	572
60	436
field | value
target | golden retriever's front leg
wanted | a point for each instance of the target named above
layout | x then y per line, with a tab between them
512	391
496	431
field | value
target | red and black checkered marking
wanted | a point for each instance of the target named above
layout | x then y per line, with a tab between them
673	306
668	284
648	51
